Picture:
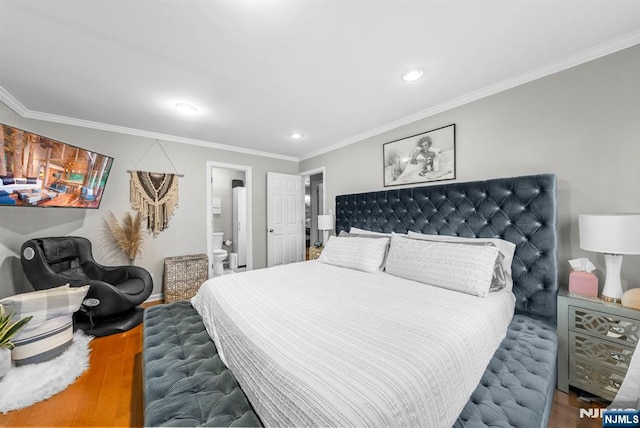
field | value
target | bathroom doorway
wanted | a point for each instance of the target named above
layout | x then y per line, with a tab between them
314	205
229	212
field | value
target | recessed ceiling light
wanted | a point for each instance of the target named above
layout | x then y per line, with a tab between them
296	135
186	108
412	75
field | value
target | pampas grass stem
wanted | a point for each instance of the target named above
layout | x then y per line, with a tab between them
127	235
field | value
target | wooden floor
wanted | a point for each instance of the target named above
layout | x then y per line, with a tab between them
109	393
565	412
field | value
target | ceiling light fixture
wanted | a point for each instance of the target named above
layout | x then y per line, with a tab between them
186	108
412	75
296	135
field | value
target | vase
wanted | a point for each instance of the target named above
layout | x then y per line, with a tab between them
5	361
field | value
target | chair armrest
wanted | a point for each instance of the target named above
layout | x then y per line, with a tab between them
133	272
117	274
114	274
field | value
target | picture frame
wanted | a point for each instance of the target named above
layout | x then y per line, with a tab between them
421	158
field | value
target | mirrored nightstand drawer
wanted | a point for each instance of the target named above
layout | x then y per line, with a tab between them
615	328
595	378
600	351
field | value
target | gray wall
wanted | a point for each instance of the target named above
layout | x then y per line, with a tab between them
187	228
582	124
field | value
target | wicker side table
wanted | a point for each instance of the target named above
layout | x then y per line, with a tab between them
183	276
314	252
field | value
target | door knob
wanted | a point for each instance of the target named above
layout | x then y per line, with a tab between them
270	230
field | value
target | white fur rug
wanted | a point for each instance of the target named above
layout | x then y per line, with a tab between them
25	385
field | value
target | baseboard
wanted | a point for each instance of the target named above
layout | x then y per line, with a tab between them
155	297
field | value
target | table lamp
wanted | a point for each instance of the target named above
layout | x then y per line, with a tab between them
613	235
325	223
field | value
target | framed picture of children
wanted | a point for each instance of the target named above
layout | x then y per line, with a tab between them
430	156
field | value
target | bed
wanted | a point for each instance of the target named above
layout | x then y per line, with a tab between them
189	381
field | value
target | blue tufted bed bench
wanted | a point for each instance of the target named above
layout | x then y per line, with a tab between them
186	383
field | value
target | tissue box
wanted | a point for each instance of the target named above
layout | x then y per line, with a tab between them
583	283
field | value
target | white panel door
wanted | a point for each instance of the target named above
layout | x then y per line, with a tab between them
285	219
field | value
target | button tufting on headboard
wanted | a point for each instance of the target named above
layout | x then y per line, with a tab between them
518	209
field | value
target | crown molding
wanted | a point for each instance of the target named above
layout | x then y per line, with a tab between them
20	109
13	103
599	51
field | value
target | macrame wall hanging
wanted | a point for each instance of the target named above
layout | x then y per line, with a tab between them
155	195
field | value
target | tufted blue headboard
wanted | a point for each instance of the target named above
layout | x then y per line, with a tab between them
518	209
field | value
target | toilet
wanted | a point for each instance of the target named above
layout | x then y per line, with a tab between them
219	254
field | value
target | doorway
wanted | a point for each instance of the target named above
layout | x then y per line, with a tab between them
229	211
315	204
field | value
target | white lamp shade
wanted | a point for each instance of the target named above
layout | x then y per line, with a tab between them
610	233
325	222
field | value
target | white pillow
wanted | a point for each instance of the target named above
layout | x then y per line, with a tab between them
460	267
507	249
365	254
357	231
345	234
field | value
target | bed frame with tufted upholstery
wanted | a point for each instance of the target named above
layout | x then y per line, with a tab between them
187	384
517	387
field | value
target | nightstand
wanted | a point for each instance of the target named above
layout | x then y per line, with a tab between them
314	252
596	340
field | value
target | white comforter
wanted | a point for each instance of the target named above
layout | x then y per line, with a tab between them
318	345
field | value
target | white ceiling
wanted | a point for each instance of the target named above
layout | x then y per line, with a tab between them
260	69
